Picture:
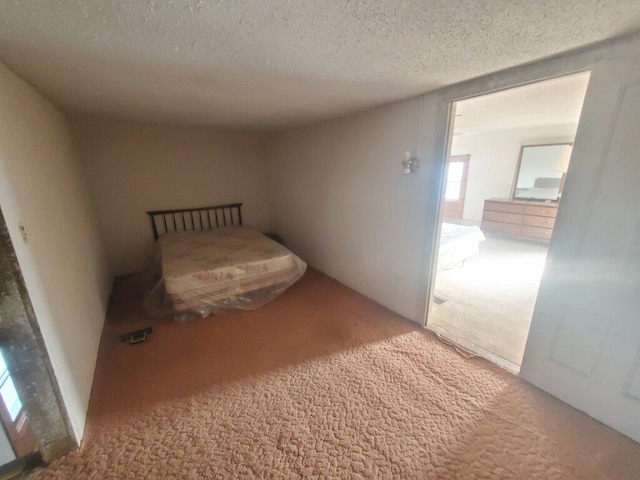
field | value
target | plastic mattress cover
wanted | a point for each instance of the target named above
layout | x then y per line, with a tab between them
212	272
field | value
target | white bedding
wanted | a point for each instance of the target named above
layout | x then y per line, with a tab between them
457	243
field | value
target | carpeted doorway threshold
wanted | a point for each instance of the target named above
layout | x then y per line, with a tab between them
486	305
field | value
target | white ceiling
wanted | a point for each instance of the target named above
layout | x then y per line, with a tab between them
553	102
266	64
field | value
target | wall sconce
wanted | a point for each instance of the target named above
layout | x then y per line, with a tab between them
410	164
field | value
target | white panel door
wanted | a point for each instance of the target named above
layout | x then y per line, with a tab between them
584	343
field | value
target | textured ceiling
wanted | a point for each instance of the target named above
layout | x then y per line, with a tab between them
553	102
274	63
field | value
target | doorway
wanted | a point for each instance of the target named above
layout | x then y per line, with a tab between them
506	166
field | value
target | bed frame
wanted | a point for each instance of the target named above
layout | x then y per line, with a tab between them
194	219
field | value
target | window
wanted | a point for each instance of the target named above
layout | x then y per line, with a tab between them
454	181
8	391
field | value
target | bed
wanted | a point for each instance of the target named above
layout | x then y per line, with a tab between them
457	243
544	188
206	262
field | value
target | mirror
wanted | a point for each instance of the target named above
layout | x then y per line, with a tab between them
541	170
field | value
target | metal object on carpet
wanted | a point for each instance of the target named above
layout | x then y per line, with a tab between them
137	336
438	300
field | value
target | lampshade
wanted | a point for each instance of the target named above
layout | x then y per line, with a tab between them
562	164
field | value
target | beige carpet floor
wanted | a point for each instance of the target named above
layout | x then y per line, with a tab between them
322	383
489	301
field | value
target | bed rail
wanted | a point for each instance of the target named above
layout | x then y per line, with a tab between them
194	219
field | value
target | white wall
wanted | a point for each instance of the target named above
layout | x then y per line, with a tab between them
135	167
64	260
340	199
493	161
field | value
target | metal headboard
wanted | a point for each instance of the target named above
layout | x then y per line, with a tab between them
194	219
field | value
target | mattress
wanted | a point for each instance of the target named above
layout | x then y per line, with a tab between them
457	243
228	268
538	193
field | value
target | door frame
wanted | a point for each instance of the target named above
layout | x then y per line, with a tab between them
477	349
578	61
27	358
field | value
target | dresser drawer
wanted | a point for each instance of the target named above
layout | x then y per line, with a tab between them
502	217
503	207
545	222
541	211
501	227
537	232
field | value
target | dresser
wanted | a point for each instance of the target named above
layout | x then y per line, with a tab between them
525	219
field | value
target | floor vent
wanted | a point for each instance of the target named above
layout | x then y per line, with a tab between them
438	300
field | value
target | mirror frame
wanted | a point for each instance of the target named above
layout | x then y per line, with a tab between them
517	173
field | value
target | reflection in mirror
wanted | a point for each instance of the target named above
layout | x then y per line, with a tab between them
540	172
